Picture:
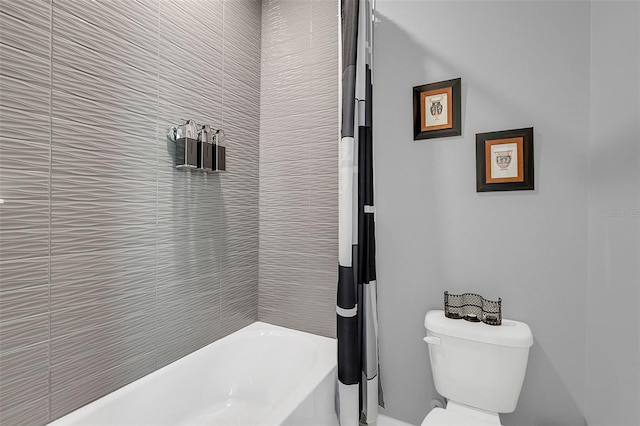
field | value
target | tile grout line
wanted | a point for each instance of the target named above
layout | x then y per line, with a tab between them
310	146
220	325
258	166
49	390
157	149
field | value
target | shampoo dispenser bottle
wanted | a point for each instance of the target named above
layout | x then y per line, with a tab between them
205	148
186	140
219	151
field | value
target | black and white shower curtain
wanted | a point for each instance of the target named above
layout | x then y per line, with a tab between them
358	388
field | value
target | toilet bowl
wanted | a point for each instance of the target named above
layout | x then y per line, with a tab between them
478	367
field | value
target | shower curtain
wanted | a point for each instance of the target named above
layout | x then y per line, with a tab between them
357	328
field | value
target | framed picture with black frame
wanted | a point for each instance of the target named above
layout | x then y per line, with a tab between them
504	160
437	110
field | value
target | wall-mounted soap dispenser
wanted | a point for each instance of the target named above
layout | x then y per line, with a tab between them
205	149
186	138
198	147
219	150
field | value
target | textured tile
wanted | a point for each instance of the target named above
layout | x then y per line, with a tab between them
188	319
24	109
101	288
22	96
240	115
324	254
188	299
284	152
281	242
309	308
24	215
323	230
133	23
94	350
103	195
281	222
24	67
80	185
34	413
177	341
79	226
112	143
24	332
298	174
290	266
240	310
185	23
286	205
19	304
147	263
239	283
190	51
82	226
23	152
240	184
187	96
239	190
242	40
22	273
90	388
22	70
115	107
24	377
25	25
24	142
120	313
104	106
239	259
20	185
119	38
286	29
286	112
193	232
276	181
196	282
324	35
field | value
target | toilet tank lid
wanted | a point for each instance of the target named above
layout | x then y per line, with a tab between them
511	333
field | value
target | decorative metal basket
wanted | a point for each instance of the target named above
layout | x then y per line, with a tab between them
473	307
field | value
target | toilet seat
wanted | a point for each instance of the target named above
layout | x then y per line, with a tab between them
442	417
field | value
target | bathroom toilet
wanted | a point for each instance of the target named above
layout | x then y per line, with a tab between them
478	368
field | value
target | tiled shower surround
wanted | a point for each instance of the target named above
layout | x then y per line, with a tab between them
113	263
298	165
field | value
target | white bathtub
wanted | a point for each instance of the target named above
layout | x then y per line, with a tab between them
261	375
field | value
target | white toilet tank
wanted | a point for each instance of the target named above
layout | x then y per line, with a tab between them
476	364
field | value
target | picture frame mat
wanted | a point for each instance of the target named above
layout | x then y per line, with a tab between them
519	141
448	91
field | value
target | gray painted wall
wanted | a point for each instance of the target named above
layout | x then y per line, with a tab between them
613	290
298	164
522	64
113	263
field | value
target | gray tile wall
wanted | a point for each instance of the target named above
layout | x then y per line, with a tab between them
298	164
113	263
